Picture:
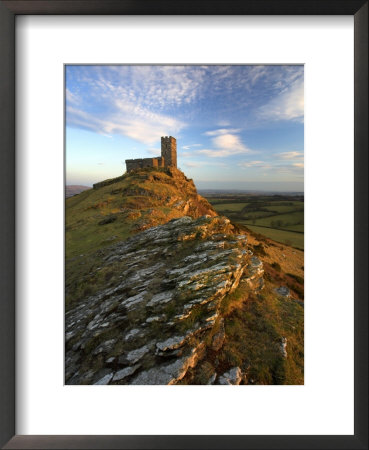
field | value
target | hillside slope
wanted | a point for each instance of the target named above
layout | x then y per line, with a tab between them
161	290
131	203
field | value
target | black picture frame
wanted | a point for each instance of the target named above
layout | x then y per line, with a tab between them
8	11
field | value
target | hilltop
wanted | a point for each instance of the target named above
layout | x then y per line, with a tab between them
162	290
120	207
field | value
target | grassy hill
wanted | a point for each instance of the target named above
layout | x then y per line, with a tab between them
198	301
138	200
97	218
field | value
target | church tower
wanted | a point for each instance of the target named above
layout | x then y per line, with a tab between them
169	151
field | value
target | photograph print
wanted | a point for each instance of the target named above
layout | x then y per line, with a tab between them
184	225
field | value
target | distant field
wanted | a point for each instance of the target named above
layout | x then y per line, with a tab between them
297	228
280	217
280	220
285	237
284	208
220	200
255	214
230	206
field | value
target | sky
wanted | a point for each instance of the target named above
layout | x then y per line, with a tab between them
237	126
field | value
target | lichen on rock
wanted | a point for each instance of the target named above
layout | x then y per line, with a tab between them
162	308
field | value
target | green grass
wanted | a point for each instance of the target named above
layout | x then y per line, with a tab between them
98	218
254	333
255	214
216	200
280	221
83	212
277	218
284	208
266	211
296	204
254	327
298	227
285	237
229	206
90	237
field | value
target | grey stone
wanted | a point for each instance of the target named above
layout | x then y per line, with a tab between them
132	302
171	343
104	347
283	291
283	347
160	375
135	355
124	373
132	334
155	319
169	272
233	376
162	297
104	380
212	378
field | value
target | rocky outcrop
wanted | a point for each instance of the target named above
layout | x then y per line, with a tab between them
255	272
168	188
283	347
134	202
233	376
283	291
150	327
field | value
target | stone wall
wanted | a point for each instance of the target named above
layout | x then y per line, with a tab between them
141	163
168	156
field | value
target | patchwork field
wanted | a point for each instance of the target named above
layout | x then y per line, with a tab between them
285	237
279	217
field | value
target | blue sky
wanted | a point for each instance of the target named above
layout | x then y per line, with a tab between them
237	127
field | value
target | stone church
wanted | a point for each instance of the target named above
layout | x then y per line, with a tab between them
168	156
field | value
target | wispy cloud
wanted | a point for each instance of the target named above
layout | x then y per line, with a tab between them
226	145
193	164
287	105
127	100
258	164
221	131
230	142
136	123
160	86
147	86
145	102
188	147
71	98
219	115
274	167
291	155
